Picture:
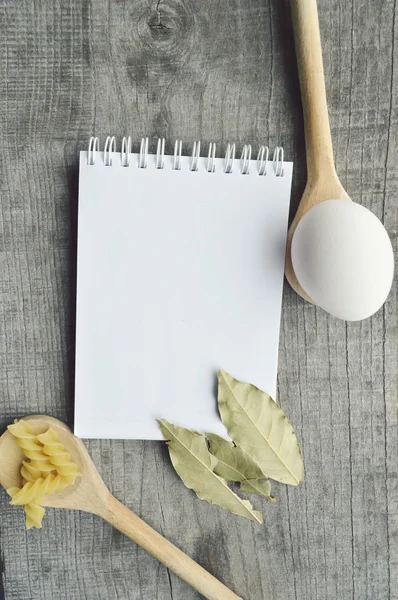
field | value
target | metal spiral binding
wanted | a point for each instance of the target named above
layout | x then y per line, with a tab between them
195	156
229	158
159	163
278	161
211	165
210	162
143	157
245	159
126	151
177	155
109	148
92	150
262	158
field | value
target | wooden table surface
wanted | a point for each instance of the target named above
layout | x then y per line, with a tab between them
216	71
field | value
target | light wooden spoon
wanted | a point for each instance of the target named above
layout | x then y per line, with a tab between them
322	181
89	493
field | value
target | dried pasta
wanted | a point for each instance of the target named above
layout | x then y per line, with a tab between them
47	470
33	492
30	445
34	515
57	455
29	472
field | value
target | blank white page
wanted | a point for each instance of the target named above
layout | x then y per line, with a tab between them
180	273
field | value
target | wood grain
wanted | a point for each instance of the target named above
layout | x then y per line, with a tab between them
215	71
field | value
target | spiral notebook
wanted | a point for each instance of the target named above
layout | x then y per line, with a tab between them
180	273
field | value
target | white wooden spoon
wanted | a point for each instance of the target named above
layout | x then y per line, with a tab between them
90	494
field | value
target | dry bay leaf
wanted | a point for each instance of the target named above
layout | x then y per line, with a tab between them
235	464
195	465
254	486
258	425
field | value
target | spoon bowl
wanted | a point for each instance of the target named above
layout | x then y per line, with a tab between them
73	496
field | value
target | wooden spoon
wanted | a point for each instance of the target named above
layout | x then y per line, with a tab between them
322	181
89	493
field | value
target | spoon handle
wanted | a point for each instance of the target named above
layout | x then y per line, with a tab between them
142	534
318	138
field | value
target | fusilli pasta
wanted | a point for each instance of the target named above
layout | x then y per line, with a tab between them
57	455
33	492
30	445
29	472
34	515
49	469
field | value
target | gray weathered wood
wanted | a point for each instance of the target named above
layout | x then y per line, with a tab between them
215	71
